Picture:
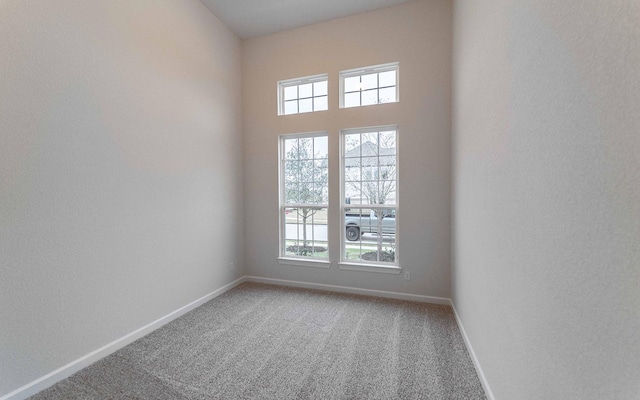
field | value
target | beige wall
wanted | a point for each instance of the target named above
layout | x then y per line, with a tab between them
418	35
120	183
546	273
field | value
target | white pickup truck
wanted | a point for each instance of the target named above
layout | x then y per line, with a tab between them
357	224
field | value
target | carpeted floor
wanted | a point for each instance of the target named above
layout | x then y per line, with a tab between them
270	342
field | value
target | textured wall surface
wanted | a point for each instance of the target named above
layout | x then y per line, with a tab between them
418	35
546	230
120	183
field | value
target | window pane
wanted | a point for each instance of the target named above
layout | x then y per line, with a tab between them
320	147
291	192
320	103
387	193
388	78
352	99
320	172
305	148
305	232
387	95
306	185
306	105
370	236
353	193
352	169
291	107
291	149
320	88
370	144
318	193
291	92
369	164
306	171
369	191
352	84
291	171
352	145
370	233
388	142
294	91
369	97
304	90
369	84
388	167
369	81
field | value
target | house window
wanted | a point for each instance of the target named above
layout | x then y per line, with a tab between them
302	95
370	85
304	196
369	210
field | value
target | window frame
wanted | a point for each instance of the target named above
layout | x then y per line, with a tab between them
281	85
371	266
283	257
349	73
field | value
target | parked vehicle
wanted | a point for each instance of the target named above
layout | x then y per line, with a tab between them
357	224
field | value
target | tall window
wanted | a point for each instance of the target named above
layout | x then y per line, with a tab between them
370	196
302	95
370	85
304	194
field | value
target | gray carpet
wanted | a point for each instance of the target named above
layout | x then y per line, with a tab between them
270	342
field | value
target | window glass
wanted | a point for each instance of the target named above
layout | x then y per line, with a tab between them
369	182
303	95
305	195
370	85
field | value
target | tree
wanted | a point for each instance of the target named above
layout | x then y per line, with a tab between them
306	180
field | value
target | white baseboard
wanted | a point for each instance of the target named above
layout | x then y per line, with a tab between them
352	290
476	363
66	371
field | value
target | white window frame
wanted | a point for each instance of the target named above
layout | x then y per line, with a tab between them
371	266
284	258
395	66
297	82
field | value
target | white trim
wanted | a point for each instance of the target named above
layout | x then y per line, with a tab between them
476	363
299	262
380	269
67	370
352	290
373	68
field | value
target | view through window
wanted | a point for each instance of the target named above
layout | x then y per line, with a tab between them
369	183
305	196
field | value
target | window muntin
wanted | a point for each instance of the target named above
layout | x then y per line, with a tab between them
302	95
369	186
304	194
371	85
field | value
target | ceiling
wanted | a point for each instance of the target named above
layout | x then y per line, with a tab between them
251	18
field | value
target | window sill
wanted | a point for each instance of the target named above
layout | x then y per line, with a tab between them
383	269
304	263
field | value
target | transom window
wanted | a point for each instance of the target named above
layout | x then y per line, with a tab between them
370	85
302	95
304	194
370	197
